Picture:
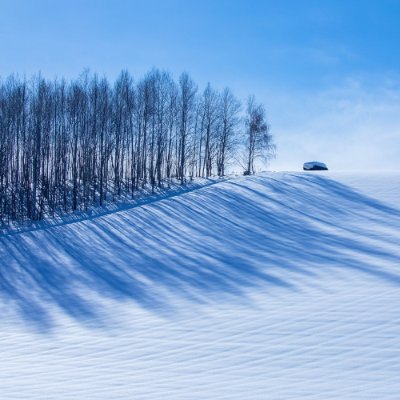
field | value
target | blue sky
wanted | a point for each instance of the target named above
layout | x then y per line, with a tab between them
327	71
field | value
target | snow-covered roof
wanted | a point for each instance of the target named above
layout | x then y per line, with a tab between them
313	164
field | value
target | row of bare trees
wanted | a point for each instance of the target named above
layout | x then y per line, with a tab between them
66	146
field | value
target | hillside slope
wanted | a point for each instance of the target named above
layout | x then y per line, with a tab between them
279	286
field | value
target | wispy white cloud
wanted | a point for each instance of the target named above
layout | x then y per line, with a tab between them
355	125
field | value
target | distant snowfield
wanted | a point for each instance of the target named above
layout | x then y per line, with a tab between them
278	286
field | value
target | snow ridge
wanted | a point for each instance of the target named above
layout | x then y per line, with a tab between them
278	286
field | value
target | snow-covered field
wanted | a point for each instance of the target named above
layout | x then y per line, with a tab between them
278	286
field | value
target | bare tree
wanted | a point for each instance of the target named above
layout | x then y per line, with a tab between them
187	92
258	138
227	134
66	146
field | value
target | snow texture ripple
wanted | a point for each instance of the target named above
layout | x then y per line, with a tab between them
278	286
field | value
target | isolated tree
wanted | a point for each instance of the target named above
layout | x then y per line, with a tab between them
258	138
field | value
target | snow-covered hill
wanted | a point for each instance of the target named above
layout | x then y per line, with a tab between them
279	286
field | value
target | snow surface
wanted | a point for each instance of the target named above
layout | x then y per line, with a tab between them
280	286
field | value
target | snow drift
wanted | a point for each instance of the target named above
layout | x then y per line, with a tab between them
284	285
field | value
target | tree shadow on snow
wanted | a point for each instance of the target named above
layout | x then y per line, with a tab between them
216	241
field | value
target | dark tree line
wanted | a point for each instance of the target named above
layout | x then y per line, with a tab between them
66	146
